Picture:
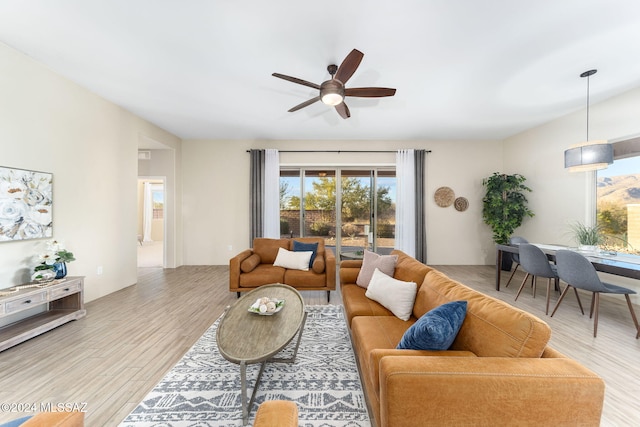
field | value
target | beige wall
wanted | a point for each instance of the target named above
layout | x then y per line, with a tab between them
90	145
560	197
216	193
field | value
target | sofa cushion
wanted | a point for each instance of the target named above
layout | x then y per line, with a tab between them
268	248
304	279
492	328
293	260
396	295
250	263
409	269
263	274
436	329
357	304
371	261
305	247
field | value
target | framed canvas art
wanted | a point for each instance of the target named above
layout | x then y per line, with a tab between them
26	204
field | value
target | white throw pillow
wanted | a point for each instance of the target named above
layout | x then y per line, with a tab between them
293	260
395	295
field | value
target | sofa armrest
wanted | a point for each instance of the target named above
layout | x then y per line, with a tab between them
376	355
349	270
330	268
488	391
234	268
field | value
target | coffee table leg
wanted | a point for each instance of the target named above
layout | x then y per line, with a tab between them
292	359
246	405
243	393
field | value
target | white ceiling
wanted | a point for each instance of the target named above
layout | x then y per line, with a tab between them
463	69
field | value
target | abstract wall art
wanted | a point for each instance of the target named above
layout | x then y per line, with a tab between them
26	204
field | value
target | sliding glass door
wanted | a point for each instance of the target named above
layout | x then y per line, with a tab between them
356	215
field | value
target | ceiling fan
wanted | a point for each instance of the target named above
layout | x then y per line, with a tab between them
332	92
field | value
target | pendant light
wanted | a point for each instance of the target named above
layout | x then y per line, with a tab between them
589	155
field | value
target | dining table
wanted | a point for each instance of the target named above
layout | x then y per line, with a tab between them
604	261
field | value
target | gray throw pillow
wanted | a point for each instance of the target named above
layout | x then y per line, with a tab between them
371	261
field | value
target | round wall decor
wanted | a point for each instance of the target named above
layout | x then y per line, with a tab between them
461	204
444	197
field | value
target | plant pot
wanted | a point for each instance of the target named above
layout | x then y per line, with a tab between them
61	269
588	248
507	261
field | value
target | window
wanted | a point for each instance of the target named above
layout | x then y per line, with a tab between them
355	215
618	205
157	195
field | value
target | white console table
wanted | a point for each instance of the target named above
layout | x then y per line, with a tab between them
59	302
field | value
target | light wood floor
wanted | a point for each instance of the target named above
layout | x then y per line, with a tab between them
127	342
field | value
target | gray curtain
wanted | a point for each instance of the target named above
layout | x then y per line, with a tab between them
257	194
421	234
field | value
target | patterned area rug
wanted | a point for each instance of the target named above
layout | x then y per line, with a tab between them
203	389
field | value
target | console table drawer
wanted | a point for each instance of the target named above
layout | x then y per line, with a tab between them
64	290
25	302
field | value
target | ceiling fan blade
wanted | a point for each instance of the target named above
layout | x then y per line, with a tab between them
343	110
304	104
369	92
296	80
349	65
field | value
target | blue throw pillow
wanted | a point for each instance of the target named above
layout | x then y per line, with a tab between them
306	247
437	329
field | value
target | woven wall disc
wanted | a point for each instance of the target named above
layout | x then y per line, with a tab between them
444	196
461	204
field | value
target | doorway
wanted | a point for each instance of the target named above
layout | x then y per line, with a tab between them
151	222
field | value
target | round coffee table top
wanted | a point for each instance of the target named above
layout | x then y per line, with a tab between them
243	336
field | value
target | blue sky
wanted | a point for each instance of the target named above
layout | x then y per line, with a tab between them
628	166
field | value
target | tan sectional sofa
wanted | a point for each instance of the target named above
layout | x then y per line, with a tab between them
254	267
499	370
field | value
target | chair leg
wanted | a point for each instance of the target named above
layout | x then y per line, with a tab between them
522	285
578	298
596	299
511	277
560	299
533	285
548	295
328	296
633	315
593	300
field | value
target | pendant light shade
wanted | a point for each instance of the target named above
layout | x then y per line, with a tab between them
589	155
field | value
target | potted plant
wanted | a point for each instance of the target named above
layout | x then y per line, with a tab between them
54	260
504	207
588	237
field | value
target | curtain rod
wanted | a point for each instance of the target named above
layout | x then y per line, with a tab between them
339	151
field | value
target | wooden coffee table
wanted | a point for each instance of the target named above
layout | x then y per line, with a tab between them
244	337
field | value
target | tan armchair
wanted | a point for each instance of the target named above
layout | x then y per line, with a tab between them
254	267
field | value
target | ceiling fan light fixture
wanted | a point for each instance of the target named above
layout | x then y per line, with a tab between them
332	92
332	98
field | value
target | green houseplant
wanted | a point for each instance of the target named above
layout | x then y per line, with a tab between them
504	206
587	236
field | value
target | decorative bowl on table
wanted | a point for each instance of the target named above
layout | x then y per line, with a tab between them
266	306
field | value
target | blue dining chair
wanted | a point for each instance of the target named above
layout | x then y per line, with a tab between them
578	272
536	264
515	240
